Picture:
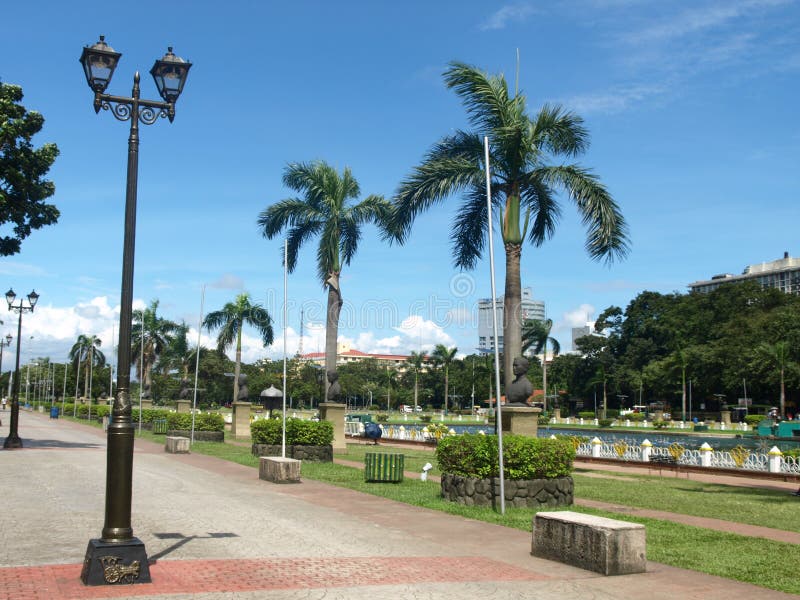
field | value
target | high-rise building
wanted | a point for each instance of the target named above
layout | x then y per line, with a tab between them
579	332
529	309
782	274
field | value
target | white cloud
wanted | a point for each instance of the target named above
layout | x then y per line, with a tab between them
228	281
614	100
577	317
510	12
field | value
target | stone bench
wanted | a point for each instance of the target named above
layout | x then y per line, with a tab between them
176	445
598	544
278	469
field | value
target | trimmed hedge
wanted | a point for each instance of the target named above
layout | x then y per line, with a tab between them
202	421
586	414
475	456
754	420
298	432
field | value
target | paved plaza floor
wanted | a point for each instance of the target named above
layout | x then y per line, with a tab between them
213	530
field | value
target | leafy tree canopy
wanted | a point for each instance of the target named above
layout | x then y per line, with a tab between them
23	189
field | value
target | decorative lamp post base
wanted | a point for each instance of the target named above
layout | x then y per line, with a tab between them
110	563
12	442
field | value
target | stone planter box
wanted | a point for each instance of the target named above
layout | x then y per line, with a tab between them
526	493
199	436
309	453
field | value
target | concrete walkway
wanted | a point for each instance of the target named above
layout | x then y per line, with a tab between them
213	530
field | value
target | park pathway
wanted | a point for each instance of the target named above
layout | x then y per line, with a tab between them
214	531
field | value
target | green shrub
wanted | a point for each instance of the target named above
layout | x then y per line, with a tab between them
523	457
382	418
660	424
605	422
202	421
586	414
101	410
793	452
298	432
543	419
753	420
149	414
612	413
425	418
636	417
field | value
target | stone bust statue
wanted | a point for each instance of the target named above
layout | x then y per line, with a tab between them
334	388
521	388
244	392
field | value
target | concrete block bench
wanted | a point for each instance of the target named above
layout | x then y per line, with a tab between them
598	544
176	445
278	469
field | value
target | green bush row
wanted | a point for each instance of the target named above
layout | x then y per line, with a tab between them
523	457
754	420
586	414
202	421
298	432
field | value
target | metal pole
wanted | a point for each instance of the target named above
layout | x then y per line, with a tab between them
285	319
91	376
141	371
498	413
64	393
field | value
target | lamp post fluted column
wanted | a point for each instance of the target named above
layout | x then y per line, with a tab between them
13	440
117	546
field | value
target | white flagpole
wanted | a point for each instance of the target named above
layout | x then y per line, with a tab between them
197	359
285	297
498	414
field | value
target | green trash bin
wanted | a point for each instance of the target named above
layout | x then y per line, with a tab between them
383	467
159	426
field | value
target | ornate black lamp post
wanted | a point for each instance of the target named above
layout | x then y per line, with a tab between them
118	557
13	440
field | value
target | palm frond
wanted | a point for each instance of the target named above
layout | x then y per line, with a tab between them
559	131
469	234
607	235
540	200
291	212
484	96
296	237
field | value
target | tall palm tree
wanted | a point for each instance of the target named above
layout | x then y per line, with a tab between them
178	355
445	357
416	360
525	155
230	321
151	335
86	351
778	354
536	334
324	211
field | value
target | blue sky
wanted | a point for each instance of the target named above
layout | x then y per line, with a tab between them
692	109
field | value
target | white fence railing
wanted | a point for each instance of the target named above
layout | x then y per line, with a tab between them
736	458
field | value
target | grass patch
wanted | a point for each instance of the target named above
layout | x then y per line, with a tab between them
754	506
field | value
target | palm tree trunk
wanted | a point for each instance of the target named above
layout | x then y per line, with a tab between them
512	317
544	374
416	389
332	326
783	395
446	386
683	395
237	367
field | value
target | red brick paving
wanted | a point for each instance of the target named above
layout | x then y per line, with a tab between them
62	582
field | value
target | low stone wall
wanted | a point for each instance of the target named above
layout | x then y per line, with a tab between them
485	492
199	436
308	453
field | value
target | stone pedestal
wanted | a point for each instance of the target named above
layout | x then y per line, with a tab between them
147	404
278	469
184	406
725	417
240	420
520	420
176	445
334	412
557	415
598	544
658	415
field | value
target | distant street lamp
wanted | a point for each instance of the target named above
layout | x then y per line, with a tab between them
13	440
117	542
4	344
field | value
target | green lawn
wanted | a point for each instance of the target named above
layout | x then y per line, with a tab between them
753	560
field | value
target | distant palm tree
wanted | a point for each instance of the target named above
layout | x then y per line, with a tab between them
527	172
178	355
323	211
416	360
230	321
536	334
778	354
445	357
86	351
151	335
